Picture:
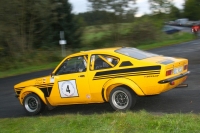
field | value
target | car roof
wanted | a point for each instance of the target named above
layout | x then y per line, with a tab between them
103	50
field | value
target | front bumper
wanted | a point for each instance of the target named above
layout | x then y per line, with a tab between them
174	78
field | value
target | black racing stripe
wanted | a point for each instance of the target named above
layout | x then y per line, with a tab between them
152	71
43	86
18	92
20	88
126	74
128	70
50	84
138	74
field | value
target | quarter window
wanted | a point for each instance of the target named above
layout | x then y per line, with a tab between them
103	62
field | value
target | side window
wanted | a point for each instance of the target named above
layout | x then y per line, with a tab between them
73	65
103	62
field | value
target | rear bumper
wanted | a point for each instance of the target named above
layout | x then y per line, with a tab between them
174	78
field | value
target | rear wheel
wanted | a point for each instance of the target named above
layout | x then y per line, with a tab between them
122	99
33	104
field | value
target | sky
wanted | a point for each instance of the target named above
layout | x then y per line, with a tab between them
143	6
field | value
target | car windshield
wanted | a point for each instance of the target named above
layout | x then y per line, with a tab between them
135	53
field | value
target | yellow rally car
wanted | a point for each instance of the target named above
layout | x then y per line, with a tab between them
115	75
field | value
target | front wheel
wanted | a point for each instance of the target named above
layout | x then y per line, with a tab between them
33	104
122	99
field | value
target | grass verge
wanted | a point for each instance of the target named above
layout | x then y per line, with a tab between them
129	122
177	39
29	69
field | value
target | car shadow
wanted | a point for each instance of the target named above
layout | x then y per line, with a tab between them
164	103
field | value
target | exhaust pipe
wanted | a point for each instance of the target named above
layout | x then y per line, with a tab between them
182	85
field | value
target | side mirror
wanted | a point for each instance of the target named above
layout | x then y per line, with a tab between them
52	74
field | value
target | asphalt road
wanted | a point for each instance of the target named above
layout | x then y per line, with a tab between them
179	100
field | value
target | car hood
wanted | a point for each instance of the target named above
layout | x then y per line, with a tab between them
33	82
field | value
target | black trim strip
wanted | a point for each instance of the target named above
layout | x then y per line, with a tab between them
125	63
46	91
137	69
174	78
102	94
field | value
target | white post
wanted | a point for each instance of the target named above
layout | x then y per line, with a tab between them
62	43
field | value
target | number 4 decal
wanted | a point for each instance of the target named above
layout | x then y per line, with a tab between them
68	88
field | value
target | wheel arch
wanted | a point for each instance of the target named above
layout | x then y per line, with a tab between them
34	90
121	82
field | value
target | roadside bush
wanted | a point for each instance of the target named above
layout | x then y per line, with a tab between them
36	57
141	33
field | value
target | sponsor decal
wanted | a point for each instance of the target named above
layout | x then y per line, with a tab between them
39	81
151	76
44	80
88	96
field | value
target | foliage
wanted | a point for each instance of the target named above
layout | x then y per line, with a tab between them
22	22
96	17
31	58
67	22
192	9
174	13
42	64
121	9
28	25
160	6
143	31
30	30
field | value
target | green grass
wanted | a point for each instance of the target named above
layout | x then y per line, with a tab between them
97	32
129	122
29	69
176	39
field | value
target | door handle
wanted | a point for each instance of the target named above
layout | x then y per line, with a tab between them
81	76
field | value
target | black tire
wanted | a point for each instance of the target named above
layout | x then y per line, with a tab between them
33	104
122	99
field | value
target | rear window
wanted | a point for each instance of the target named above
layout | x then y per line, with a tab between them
135	53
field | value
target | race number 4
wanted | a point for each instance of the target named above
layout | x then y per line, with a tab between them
68	88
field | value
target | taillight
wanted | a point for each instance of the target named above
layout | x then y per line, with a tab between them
168	72
185	67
